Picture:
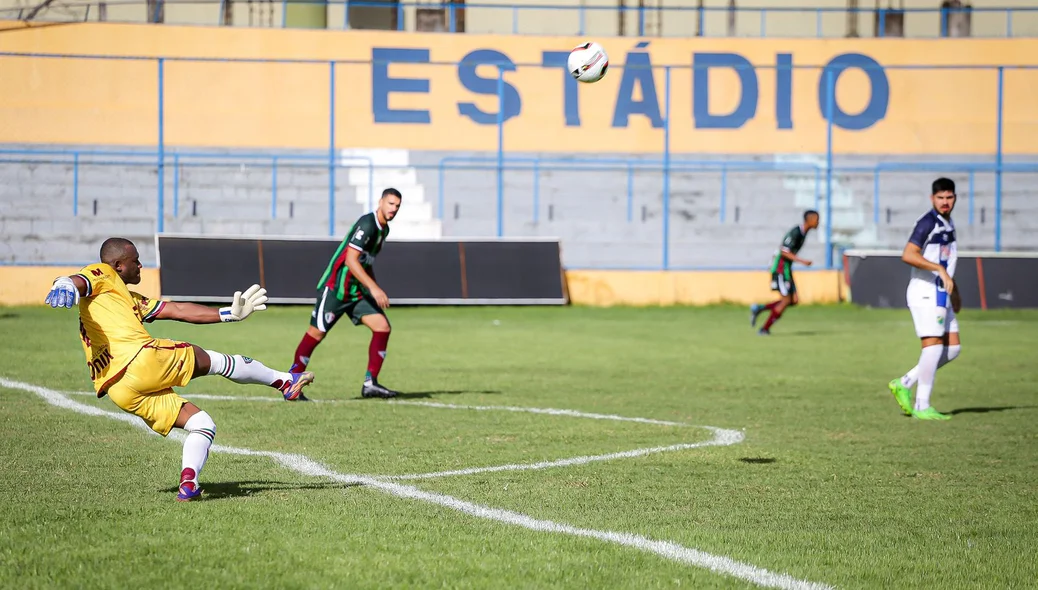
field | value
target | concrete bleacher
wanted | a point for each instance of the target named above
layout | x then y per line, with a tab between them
596	18
584	205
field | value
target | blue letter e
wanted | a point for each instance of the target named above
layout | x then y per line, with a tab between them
382	84
747	109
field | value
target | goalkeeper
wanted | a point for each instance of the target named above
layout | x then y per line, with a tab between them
139	372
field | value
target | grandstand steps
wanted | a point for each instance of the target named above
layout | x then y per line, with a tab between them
586	208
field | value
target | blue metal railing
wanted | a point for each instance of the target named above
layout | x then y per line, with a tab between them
538	165
667	163
577	13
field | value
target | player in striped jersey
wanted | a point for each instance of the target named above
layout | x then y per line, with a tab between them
782	273
933	300
348	288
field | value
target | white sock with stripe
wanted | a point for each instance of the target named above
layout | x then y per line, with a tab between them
929	358
950	353
244	370
201	430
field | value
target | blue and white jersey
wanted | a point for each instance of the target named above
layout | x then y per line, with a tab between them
935	236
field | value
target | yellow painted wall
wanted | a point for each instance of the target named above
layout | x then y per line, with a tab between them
256	105
600	17
28	285
651	288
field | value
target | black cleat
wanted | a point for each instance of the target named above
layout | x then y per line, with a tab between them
375	390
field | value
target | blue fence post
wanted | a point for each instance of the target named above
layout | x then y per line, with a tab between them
536	188
630	192
881	23
818	22
75	184
515	20
875	197
452	24
176	186
274	187
641	20
971	194
763	23
161	223
500	151
818	187
439	198
371	184
581	14
284	13
400	16
724	190
1009	23
346	15
998	160
830	87
331	148
666	170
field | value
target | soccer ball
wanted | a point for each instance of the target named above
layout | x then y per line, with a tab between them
588	62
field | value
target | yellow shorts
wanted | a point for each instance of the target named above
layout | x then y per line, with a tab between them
145	389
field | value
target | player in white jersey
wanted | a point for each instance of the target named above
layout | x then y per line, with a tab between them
933	301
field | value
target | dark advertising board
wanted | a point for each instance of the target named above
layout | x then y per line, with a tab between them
985	280
433	272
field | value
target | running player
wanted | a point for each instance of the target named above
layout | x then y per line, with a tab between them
932	253
348	288
782	273
139	372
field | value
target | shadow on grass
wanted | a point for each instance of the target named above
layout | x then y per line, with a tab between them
759	460
430	394
990	409
239	489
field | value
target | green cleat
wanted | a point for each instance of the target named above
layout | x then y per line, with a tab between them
929	414
902	394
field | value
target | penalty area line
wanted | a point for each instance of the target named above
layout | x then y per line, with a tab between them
305	466
721	436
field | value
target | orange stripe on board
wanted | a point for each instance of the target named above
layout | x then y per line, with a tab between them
464	271
980	283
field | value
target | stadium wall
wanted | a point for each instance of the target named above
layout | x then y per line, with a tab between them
407	90
28	285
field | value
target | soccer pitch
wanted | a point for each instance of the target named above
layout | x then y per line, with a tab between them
538	447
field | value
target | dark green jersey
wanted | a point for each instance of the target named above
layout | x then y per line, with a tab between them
367	236
792	242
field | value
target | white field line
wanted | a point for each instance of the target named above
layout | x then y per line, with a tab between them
306	466
549	411
722	437
228	398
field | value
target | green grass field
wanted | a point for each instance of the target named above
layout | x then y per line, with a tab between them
830	484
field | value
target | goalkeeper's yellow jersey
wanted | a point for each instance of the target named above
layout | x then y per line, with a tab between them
111	324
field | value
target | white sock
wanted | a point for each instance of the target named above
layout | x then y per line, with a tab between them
950	353
929	358
201	430
242	369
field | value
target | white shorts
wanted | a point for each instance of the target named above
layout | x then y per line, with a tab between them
932	321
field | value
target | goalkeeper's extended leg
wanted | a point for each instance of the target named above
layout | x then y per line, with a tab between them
244	370
201	430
